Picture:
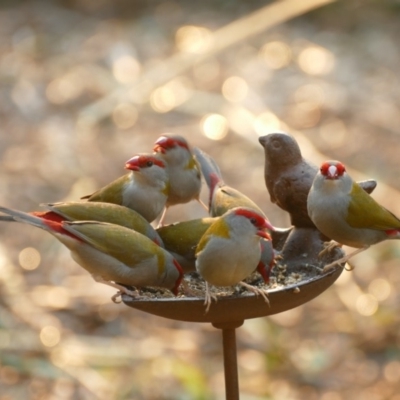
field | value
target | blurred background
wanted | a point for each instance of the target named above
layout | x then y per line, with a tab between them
84	85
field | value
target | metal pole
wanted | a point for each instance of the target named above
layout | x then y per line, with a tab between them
230	358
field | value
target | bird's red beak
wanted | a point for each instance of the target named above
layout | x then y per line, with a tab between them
162	144
264	234
133	164
266	225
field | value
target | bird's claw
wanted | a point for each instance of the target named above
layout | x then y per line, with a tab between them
208	300
330	266
334	264
256	291
349	267
117	298
344	260
328	247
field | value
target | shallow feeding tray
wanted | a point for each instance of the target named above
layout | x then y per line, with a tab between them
229	312
237	307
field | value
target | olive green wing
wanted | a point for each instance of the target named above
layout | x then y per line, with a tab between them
183	237
365	212
227	198
111	193
125	245
105	212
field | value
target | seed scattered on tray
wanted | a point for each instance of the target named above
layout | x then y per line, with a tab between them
195	285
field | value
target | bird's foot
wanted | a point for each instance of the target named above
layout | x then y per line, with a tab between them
332	265
161	221
204	205
343	260
121	289
117	297
208	298
328	247
257	291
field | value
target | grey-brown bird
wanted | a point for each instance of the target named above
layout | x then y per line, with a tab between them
288	176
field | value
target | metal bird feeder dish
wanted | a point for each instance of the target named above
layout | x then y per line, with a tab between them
230	312
236	307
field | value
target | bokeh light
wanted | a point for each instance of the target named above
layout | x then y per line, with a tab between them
310	93
266	122
50	336
51	296
316	60
193	39
380	288
167	97
62	90
29	258
391	371
125	115
214	126
276	54
235	89
126	69
367	305
64	388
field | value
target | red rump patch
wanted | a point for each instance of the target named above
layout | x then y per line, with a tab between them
48	216
214	180
392	232
55	222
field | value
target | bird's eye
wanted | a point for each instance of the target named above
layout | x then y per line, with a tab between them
276	144
253	221
149	163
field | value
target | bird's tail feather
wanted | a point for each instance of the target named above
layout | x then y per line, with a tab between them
22	216
209	167
210	170
7	218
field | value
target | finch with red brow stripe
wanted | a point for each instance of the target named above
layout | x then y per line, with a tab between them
96	211
230	250
145	189
112	254
344	212
224	198
183	169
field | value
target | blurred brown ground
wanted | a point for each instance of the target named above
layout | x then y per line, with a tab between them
85	84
